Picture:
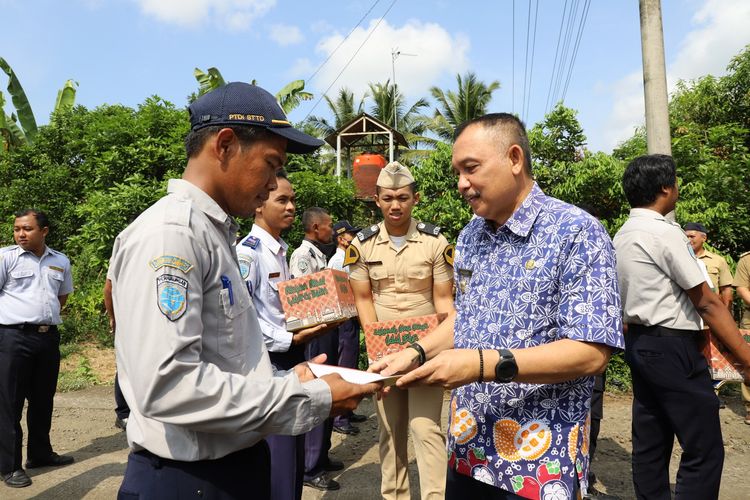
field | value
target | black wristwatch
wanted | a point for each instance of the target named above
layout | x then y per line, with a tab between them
506	369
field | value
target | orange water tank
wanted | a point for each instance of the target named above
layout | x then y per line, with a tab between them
365	170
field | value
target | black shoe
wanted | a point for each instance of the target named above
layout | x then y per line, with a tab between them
53	460
357	419
333	466
323	482
17	479
121	423
346	429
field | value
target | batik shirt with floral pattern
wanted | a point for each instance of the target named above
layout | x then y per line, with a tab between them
547	274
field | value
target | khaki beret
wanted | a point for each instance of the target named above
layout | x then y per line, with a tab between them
394	176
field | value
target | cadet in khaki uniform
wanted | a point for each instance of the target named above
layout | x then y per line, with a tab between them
403	268
716	267
742	283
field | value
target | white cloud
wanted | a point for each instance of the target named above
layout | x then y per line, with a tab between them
437	53
720	33
285	34
234	14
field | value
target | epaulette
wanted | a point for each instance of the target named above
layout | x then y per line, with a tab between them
368	232
8	248
179	213
743	254
430	229
251	241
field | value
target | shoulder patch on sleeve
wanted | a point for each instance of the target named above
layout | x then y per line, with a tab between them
251	241
430	229
172	296
368	232
245	261
448	253
351	256
171	261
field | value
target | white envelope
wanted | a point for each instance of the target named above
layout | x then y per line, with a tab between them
353	376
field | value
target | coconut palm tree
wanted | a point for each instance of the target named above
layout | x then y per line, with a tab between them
343	109
386	97
454	108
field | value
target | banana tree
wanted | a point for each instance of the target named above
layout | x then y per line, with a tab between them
20	127
289	97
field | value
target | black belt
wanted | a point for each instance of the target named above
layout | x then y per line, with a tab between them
661	331
29	327
259	448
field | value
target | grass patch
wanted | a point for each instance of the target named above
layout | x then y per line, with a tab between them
79	378
84	365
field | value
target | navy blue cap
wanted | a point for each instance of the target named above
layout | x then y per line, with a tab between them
343	226
695	226
240	103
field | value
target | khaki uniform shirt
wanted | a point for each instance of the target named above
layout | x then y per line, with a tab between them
190	353
401	279
655	265
742	278
717	269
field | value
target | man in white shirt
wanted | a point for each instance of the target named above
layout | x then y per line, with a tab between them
262	258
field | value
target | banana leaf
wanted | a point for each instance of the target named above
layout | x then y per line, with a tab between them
292	94
66	96
20	102
209	80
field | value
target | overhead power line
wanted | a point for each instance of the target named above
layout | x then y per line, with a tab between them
351	58
575	51
533	52
344	40
557	52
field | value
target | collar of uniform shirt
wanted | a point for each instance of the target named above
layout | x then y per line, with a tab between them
412	234
647	212
205	204
522	220
267	240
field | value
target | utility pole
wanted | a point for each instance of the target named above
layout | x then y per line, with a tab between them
654	78
394	55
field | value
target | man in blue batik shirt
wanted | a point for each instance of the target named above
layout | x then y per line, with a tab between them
537	315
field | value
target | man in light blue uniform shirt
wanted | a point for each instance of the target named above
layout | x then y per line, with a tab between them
35	282
262	258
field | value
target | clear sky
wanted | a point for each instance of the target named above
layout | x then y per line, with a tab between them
122	51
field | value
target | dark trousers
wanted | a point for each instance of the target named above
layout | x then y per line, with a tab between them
122	410
673	396
318	440
29	364
597	413
242	474
461	487
348	356
287	452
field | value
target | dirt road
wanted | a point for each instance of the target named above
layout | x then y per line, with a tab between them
83	427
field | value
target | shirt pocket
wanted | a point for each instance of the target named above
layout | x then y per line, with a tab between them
231	340
55	280
419	277
378	278
20	279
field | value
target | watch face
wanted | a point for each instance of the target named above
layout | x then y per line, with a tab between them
507	369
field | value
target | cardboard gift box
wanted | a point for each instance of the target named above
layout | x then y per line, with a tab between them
720	361
323	297
386	337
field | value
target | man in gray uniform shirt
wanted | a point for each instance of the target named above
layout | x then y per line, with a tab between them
190	354
664	296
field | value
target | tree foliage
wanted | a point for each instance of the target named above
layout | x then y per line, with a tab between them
440	202
469	101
